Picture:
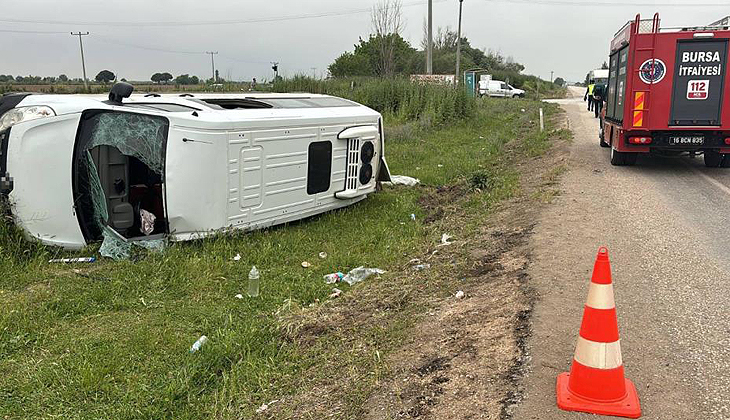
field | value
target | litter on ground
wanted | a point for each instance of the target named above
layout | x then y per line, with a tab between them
445	239
265	407
335	293
72	260
421	267
403	180
237	257
460	294
198	344
359	274
333	278
306	264
323	255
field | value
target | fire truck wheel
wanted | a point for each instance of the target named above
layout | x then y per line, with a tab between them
622	158
713	159
602	141
725	161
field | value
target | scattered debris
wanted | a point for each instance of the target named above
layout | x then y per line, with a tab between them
460	294
413	217
440	165
414	261
253	282
445	240
265	407
522	109
239	296
421	267
403	180
335	293
72	260
237	257
359	274
198	344
333	278
597	171
323	255
147	220
305	264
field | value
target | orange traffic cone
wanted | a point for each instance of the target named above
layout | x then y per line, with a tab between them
596	382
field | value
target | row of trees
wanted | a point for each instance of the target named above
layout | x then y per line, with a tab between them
385	53
104	76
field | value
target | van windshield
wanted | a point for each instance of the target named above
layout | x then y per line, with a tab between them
118	175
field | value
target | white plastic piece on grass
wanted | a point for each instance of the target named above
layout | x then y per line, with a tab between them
460	294
265	407
239	296
198	344
445	239
359	274
306	264
413	217
335	293
403	180
421	267
323	255
237	257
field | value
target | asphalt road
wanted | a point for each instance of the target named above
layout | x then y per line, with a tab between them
666	223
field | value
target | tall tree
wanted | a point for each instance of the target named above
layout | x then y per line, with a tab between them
387	22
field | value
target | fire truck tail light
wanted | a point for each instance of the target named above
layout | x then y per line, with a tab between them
727	140
640	140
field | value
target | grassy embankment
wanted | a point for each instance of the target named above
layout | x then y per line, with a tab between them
110	340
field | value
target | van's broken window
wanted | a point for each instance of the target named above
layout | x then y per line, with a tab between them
119	176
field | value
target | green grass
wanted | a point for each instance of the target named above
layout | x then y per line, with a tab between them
110	340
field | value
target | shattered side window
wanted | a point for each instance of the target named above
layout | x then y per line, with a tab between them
140	136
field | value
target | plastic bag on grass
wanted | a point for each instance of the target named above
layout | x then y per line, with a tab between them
359	274
402	180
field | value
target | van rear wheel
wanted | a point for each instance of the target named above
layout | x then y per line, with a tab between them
713	158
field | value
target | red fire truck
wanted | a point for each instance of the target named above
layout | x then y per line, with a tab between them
666	93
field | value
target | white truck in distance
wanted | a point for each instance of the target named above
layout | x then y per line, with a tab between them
498	89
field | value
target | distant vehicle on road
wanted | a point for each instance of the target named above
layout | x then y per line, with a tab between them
666	93
599	76
76	168
499	89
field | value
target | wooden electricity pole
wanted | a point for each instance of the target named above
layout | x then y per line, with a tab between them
83	63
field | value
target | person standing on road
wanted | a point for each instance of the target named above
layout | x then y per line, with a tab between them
589	94
599	95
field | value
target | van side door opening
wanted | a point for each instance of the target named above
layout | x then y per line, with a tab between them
118	175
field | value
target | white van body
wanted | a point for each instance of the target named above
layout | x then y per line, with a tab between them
499	89
220	162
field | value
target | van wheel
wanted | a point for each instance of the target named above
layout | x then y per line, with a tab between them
713	159
622	158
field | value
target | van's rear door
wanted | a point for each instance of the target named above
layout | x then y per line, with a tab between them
699	78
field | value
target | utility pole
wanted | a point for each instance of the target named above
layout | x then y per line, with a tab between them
458	46
212	63
551	76
429	49
83	63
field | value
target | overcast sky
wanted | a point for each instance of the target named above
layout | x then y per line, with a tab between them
544	35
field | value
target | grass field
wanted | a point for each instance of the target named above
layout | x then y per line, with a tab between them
110	340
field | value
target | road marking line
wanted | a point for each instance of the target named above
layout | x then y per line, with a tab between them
712	180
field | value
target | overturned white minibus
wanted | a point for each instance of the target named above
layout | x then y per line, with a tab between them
75	168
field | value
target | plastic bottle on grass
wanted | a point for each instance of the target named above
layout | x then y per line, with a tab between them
198	344
253	282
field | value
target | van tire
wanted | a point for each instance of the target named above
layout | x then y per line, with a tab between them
713	159
622	158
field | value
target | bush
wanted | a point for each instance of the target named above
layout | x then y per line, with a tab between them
398	98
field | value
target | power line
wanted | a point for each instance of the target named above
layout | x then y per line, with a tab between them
33	32
208	22
606	4
143	47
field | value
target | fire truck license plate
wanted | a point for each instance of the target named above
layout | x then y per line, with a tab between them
698	90
692	140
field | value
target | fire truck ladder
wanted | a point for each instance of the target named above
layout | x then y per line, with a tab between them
640	108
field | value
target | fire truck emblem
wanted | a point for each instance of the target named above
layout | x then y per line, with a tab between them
651	75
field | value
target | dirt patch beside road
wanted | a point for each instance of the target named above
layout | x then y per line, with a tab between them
465	355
